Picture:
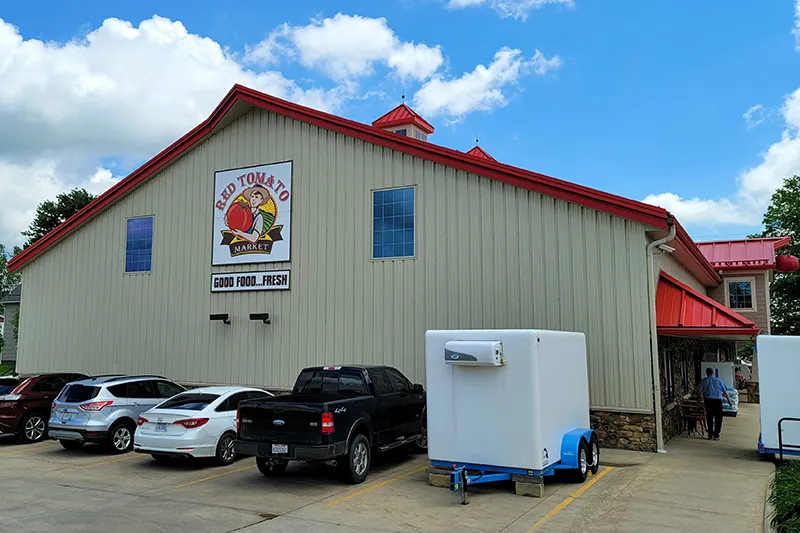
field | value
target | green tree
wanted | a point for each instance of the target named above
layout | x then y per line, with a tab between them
7	280
783	218
51	213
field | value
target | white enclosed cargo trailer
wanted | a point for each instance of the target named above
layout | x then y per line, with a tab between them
779	372
505	402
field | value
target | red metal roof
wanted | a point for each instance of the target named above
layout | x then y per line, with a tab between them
743	254
480	152
401	116
681	310
240	99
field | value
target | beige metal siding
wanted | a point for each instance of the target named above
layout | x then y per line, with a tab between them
9	353
489	255
668	264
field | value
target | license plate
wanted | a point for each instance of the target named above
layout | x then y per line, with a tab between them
280	448
66	416
161	428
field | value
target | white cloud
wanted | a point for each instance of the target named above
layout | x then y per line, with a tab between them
796	30
481	89
25	186
349	46
122	91
518	9
755	185
754	116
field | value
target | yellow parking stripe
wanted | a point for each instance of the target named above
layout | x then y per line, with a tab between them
215	476
128	458
569	499
373	487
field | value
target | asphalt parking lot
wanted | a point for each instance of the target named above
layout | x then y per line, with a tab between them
47	488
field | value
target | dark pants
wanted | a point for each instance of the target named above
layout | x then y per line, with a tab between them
713	416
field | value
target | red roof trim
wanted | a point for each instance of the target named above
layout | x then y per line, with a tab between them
703	270
743	254
681	310
571	192
402	115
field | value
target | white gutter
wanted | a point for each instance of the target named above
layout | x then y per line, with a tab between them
651	294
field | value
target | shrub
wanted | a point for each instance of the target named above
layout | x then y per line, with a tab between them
785	498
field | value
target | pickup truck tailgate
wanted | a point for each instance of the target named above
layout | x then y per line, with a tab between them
284	422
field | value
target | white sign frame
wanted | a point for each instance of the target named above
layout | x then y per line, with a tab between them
252	235
263	280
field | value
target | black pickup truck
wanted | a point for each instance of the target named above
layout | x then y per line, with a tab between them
337	415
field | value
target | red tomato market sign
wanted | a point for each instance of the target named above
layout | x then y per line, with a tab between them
252	214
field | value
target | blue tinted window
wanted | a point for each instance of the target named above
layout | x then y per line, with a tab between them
401	132
139	245
393	223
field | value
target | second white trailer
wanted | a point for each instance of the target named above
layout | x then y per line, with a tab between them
779	371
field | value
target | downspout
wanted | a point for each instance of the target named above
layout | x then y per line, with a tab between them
651	294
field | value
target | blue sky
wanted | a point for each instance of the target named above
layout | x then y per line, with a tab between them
634	98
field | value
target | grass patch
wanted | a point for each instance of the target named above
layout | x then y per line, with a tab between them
6	368
785	498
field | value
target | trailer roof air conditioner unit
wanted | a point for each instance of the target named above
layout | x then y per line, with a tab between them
474	353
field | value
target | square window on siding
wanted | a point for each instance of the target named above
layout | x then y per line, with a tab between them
402	132
393	223
740	294
139	245
421	136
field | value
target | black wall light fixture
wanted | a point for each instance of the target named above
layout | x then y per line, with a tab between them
264	317
221	316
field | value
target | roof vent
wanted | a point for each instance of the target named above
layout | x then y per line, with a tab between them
479	152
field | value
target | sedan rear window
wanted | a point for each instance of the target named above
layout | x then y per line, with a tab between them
189	402
8	384
78	393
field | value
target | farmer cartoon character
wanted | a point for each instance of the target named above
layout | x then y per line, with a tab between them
255	196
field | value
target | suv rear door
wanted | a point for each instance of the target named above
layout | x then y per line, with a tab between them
142	395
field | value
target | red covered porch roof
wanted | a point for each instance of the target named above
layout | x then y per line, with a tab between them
683	311
743	254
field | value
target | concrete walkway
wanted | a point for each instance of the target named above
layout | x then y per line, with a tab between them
698	485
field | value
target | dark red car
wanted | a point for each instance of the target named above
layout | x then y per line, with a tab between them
25	402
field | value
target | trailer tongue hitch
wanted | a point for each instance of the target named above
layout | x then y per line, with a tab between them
460	479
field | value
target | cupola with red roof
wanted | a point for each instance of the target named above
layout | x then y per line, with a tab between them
479	152
405	121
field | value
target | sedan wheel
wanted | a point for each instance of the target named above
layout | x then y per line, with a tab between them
226	452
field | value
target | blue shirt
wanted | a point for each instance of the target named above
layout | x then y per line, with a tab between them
712	388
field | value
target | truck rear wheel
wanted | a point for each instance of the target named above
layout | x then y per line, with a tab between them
356	465
271	468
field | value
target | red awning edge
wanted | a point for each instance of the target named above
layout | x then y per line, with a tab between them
684	311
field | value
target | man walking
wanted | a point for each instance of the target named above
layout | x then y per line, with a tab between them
712	389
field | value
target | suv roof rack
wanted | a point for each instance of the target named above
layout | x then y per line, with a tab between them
118	377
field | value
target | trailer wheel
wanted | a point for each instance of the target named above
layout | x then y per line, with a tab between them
580	473
594	455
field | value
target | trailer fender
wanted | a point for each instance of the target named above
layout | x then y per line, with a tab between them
569	446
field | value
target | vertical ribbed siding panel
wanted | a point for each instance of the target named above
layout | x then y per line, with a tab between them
488	255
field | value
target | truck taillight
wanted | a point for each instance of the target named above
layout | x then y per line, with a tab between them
237	420
327	423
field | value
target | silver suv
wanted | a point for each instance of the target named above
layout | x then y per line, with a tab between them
104	409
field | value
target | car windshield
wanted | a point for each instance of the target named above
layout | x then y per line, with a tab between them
78	393
189	402
8	384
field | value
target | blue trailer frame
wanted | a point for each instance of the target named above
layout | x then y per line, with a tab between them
783	449
462	475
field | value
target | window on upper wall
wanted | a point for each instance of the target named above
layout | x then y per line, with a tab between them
402	132
139	245
740	294
393	223
421	136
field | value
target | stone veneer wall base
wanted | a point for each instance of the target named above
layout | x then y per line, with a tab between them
625	431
